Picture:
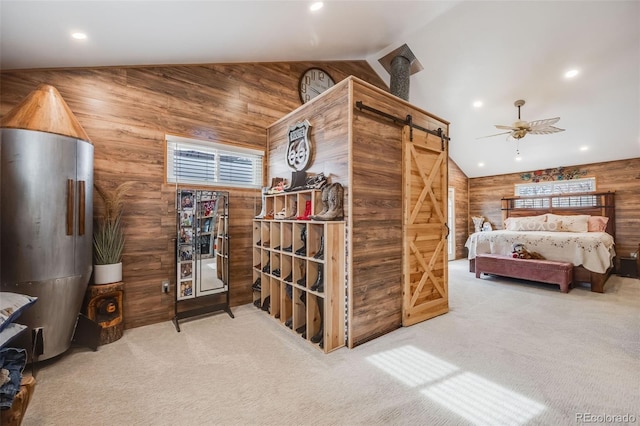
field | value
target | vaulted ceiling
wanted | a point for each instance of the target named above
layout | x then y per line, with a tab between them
493	52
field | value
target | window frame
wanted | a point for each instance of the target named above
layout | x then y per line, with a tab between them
219	150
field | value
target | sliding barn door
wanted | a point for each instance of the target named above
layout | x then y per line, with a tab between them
425	287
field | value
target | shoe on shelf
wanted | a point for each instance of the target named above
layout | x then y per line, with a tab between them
301	329
276	272
302	281
256	302
335	202
267	268
259	243
302	251
277	248
319	284
289	278
316	338
256	285
289	322
320	254
281	214
289	249
289	291
307	211
266	244
265	304
258	266
269	215
325	203
293	211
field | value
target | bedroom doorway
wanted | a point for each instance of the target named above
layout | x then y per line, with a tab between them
451	220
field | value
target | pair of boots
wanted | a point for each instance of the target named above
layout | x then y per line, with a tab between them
332	203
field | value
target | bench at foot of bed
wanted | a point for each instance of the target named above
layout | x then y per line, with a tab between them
546	271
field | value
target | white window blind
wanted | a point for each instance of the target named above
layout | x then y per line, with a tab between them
209	163
558	187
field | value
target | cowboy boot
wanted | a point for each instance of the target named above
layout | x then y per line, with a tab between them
303	237
292	211
325	203
263	212
316	338
319	284
307	212
336	211
320	254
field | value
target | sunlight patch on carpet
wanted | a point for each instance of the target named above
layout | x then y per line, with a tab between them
482	401
412	366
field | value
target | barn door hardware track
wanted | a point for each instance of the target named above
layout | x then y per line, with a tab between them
408	121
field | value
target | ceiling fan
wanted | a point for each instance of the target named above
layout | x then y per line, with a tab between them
521	128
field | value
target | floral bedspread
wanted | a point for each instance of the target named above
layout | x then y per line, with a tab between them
593	250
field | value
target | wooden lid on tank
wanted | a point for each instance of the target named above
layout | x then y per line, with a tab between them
44	110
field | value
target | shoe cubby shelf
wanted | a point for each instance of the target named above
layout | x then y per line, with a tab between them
297	205
299	277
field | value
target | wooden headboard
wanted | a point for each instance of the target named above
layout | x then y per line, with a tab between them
591	203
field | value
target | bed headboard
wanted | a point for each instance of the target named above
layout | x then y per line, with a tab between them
591	203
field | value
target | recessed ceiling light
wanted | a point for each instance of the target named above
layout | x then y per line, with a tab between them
518	158
79	36
477	104
571	73
316	6
584	148
480	164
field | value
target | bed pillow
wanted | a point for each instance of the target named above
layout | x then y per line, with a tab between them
9	332
570	223
597	223
527	223
12	305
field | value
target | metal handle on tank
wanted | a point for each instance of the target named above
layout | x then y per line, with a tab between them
70	194
81	206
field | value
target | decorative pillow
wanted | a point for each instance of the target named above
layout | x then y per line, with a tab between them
9	332
12	305
570	223
597	223
527	223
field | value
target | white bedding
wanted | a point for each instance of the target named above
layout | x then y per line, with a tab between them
593	250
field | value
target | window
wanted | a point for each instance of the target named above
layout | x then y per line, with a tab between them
558	187
210	163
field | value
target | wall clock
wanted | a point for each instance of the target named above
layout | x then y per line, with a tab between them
313	82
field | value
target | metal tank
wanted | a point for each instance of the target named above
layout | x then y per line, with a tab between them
46	211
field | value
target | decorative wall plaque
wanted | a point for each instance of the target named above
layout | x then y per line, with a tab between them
299	147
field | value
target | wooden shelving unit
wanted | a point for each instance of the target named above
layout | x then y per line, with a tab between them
301	268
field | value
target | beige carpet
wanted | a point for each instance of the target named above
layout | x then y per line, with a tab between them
509	352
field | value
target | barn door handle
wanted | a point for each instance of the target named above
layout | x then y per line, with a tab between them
81	206
70	194
446	237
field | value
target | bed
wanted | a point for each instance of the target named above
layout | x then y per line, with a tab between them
552	227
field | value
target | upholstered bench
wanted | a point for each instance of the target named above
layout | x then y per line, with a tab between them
546	271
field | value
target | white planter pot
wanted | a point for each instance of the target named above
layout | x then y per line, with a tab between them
106	274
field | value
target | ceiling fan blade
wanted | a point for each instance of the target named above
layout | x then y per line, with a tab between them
544	123
498	126
490	136
545	130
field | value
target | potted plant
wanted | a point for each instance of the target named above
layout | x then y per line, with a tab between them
108	235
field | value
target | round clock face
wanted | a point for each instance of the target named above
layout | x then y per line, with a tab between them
313	82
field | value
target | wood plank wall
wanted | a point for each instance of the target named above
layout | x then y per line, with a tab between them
375	289
622	176
460	183
126	111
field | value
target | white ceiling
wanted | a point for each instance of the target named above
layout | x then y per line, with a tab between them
496	52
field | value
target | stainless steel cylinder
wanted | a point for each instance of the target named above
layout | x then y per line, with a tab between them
46	214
